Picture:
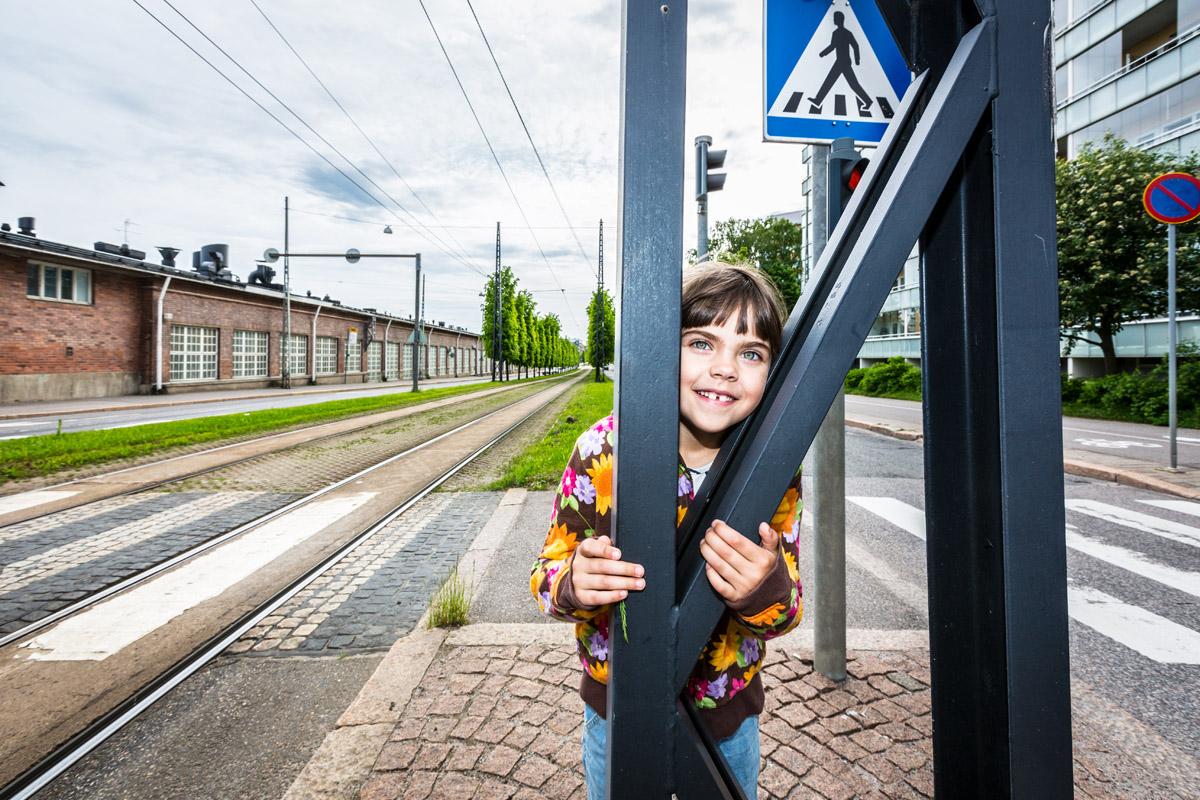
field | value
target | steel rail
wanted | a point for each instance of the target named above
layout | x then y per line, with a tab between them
179	558
42	773
188	476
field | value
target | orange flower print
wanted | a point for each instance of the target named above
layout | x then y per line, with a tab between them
725	650
598	670
680	513
790	560
767	616
601	475
785	515
559	544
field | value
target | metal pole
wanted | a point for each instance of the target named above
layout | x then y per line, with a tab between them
1172	343
598	355
496	311
701	229
285	372
416	329
829	470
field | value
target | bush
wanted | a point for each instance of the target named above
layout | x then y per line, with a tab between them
892	378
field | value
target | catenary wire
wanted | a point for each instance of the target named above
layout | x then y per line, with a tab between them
284	125
529	136
357	127
456	227
495	157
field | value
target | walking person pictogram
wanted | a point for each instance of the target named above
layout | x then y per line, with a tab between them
841	43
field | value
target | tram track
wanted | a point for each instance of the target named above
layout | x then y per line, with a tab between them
112	719
39	614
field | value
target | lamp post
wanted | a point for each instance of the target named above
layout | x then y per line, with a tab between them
352	255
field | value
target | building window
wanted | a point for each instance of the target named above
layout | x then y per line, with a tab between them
193	353
297	354
51	282
392	361
250	354
374	353
326	355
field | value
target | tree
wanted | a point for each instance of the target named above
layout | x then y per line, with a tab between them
1112	257
602	332
510	342
773	244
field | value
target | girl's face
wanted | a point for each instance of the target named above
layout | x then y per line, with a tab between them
722	375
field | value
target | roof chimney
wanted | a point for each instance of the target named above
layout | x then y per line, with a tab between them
26	226
168	255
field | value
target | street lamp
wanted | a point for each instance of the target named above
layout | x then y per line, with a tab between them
352	255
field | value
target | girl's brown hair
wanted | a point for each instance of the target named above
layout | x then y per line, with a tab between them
712	290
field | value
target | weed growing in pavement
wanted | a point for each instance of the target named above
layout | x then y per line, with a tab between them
451	604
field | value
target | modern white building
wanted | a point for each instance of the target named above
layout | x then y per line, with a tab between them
1131	67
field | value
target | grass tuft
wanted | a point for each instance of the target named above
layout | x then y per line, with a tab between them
451	604
540	465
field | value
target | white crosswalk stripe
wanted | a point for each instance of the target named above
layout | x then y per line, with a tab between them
1145	632
1182	506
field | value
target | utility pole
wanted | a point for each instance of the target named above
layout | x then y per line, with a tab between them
417	329
497	296
285	371
600	312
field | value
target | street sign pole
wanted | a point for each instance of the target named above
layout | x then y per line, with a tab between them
1171	343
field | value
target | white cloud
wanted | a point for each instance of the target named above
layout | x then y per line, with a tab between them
107	118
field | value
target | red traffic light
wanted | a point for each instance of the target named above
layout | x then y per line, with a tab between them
856	173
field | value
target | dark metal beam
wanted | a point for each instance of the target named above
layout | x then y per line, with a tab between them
865	252
641	697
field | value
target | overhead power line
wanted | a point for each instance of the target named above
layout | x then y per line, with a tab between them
529	136
495	157
357	127
284	125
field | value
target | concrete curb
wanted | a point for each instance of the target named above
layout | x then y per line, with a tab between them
343	762
1071	466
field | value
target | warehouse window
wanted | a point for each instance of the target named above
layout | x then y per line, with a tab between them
250	354
326	356
297	354
50	282
374	353
193	353
392	362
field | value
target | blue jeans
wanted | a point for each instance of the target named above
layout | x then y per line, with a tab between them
740	751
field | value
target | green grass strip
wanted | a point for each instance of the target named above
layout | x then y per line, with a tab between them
898	395
540	466
44	455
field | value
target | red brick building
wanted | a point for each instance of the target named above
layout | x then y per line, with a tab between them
77	322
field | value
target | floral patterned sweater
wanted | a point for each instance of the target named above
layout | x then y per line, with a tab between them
725	684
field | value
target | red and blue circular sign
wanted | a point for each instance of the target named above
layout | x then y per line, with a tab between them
1173	198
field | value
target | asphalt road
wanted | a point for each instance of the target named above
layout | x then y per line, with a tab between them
1146	442
135	415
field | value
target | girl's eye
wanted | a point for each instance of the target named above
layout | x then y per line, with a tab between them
700	344
753	355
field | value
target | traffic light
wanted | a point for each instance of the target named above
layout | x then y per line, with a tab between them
846	168
706	160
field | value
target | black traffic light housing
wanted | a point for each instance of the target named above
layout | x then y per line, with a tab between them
707	160
846	168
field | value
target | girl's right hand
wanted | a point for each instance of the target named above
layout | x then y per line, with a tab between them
599	576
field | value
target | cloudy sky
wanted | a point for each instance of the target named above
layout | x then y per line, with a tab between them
108	117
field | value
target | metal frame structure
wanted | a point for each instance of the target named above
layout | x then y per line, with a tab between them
967	168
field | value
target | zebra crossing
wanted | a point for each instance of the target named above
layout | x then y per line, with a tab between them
1150	634
863	109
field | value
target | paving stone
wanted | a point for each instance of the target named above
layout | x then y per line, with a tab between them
499	760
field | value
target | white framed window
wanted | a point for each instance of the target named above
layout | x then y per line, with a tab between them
409	349
52	282
392	360
326	355
353	356
193	353
374	360
297	354
250	354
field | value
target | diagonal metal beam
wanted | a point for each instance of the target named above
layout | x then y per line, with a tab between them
864	254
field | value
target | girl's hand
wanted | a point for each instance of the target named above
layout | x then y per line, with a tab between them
736	565
599	577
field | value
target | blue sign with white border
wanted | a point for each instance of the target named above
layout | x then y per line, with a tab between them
831	69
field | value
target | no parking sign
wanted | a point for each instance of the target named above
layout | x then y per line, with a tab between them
1173	198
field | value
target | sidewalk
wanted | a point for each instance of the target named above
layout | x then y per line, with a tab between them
49	408
492	711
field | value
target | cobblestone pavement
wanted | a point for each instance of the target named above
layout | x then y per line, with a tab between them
382	589
309	467
50	562
505	722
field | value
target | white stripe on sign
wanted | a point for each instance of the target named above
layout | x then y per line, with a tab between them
1175	531
106	628
1155	637
1182	506
900	514
24	500
1128	560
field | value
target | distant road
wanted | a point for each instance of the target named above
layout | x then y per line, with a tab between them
102	420
1146	442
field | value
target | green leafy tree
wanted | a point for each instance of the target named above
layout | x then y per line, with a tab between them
1112	257
602	332
774	245
510	343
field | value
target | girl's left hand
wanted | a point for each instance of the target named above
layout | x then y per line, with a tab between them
736	565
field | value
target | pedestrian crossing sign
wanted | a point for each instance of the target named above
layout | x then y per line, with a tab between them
831	69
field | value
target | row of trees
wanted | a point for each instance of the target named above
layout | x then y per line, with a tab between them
602	332
527	339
